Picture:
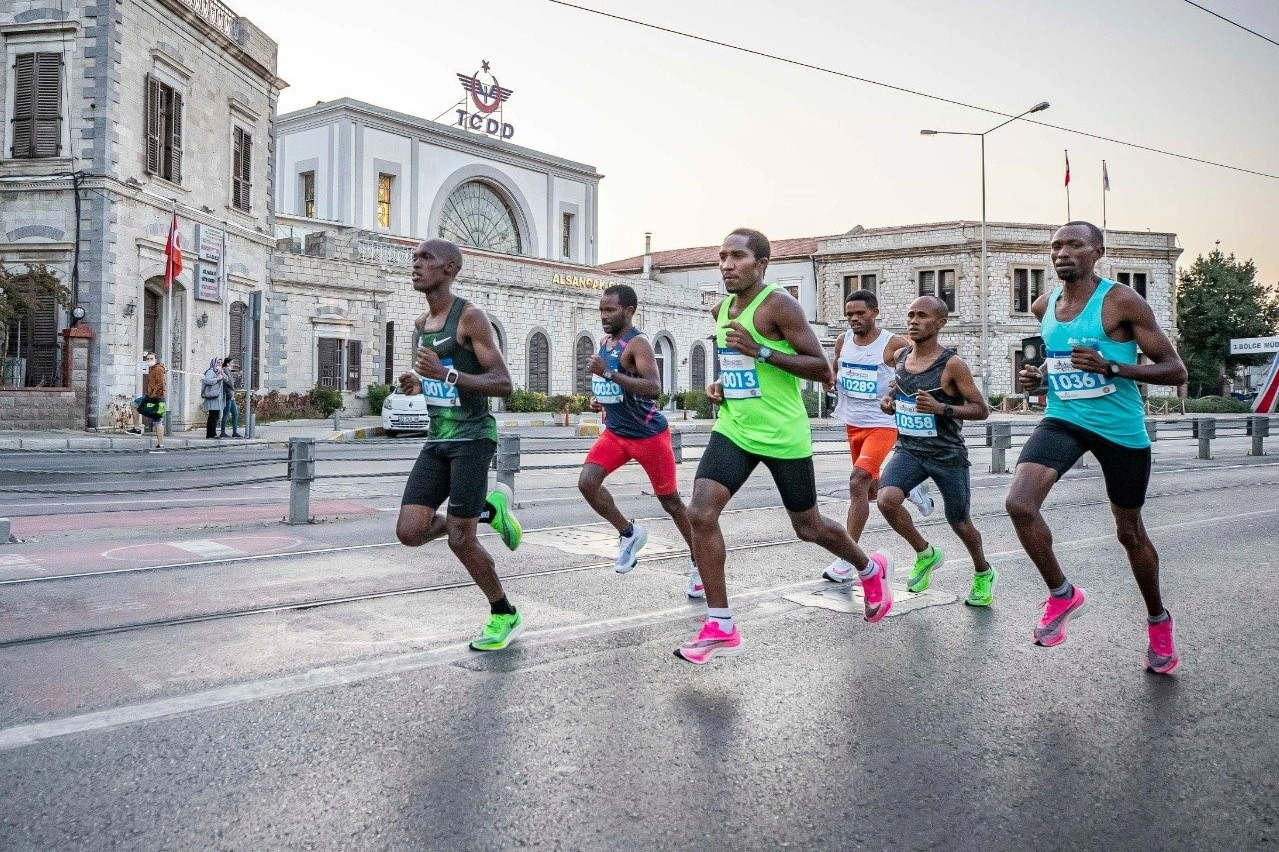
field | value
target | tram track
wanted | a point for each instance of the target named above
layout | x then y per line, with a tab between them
317	603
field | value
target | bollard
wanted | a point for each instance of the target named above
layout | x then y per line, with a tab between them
677	445
337	426
1001	439
990	434
508	460
1152	429
1260	430
1207	431
4	530
301	472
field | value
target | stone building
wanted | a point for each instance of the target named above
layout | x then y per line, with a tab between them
116	116
903	262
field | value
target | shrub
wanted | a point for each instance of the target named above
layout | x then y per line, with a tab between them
662	399
525	401
577	403
274	405
377	395
327	400
1217	405
996	400
810	401
697	401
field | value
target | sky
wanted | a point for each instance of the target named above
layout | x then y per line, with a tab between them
696	139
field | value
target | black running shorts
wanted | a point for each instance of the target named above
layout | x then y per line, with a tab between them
1058	444
729	465
454	470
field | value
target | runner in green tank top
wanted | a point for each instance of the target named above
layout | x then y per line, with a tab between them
765	347
457	367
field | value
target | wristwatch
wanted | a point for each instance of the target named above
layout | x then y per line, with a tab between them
948	412
1112	367
764	353
609	374
450	378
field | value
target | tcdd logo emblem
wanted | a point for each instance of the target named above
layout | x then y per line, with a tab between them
487	98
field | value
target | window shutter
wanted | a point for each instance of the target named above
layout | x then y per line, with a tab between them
329	354
353	365
697	368
24	93
47	135
582	375
153	125
175	140
539	363
389	342
241	170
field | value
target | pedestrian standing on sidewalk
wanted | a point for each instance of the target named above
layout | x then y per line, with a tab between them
151	404
625	386
1092	332
230	410
862	376
211	390
458	367
933	392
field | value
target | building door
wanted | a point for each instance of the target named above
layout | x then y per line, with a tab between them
582	358
539	363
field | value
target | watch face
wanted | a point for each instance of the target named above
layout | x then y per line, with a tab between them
1029	350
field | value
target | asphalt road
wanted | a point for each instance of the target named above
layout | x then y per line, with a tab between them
368	725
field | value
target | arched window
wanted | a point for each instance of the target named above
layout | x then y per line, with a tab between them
539	363
582	357
475	215
498	338
697	367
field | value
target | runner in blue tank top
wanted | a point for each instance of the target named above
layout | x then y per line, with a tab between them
624	388
1092	330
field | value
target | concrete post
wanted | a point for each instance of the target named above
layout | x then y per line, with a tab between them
4	530
301	472
1001	439
508	460
75	369
1207	431
1260	429
677	445
1152	429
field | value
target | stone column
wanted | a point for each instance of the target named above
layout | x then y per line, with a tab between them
75	366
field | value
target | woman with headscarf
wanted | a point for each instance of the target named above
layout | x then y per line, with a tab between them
211	393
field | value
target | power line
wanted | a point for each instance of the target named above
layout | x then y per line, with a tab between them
1233	23
811	67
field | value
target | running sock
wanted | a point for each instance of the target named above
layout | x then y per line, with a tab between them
926	553
486	514
868	571
1065	590
630	530
1158	619
501	607
722	617
987	570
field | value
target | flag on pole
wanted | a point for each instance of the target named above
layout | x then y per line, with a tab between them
1105	178
172	254
1067	183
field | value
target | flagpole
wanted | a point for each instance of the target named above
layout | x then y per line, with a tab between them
1068	186
168	322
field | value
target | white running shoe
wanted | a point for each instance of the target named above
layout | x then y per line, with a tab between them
628	548
840	571
922	501
695	591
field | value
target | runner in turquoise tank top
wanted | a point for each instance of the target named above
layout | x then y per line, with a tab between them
1092	330
457	367
765	346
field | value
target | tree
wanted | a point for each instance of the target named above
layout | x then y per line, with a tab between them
20	297
1219	298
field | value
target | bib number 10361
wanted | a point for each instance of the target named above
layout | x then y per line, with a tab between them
1069	382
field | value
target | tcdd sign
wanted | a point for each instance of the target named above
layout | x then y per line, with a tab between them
486	98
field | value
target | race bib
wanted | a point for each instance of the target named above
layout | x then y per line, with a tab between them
911	422
737	375
439	394
605	391
1068	382
859	381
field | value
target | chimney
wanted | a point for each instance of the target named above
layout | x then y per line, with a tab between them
648	254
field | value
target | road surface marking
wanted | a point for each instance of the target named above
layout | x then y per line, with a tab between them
205	547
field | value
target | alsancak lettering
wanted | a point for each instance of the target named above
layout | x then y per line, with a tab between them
579	281
217	15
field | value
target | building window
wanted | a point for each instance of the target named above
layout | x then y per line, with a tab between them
939	283
353	355
1135	280
31	350
475	215
241	169
567	235
539	363
581	358
239	314
37	105
660	357
164	131
1027	285
307	180
697	367
866	281
388	369
329	362
384	184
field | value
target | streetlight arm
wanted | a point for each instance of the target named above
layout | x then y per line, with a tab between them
1039	107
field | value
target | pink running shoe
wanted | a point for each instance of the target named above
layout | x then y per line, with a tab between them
709	642
1051	629
1161	656
877	589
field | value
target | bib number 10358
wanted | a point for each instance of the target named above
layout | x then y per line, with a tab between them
1069	382
910	421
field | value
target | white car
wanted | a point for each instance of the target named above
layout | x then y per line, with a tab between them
403	413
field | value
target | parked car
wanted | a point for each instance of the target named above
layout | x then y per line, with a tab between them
404	413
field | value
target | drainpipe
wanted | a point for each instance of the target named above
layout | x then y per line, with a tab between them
648	255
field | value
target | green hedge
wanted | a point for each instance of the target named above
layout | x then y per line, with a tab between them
1217	405
327	400
377	395
523	401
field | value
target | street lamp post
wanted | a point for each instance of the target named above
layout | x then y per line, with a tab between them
985	312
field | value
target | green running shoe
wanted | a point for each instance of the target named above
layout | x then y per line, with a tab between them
983	591
922	574
500	631
500	499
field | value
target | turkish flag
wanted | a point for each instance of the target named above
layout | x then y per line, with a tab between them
172	254
1067	183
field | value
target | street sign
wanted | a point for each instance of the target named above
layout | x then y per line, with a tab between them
1253	345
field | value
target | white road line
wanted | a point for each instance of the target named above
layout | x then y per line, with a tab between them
205	547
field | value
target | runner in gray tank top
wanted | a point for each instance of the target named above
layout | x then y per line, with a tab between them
933	392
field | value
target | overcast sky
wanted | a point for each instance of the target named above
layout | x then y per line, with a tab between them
695	139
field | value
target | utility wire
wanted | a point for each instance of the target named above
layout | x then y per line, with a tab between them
847	76
1233	23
